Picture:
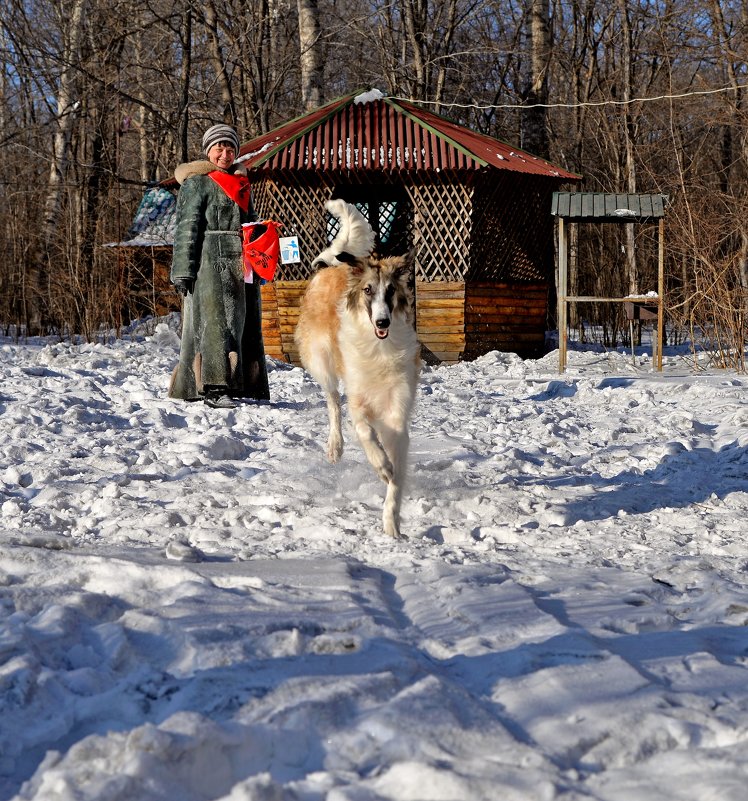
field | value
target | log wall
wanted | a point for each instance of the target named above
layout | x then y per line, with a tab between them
505	317
271	333
288	296
454	321
440	319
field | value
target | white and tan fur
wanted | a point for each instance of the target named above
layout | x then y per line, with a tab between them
356	326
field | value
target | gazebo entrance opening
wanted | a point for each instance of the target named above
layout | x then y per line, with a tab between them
389	211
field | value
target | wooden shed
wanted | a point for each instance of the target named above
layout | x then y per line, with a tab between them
475	209
143	258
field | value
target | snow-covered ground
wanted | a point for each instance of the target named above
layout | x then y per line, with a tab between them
195	605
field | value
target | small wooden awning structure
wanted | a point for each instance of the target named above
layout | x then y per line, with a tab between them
599	207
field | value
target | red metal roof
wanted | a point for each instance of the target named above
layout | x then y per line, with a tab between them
371	132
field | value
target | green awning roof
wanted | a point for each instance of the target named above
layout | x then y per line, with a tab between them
604	207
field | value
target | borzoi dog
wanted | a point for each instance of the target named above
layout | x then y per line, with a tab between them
356	325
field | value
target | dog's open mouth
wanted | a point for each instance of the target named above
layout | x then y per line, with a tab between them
382	332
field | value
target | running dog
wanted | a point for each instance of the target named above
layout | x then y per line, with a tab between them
356	326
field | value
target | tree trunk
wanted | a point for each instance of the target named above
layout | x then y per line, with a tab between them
627	131
415	14
534	122
67	107
311	59
184	104
219	64
450	29
147	166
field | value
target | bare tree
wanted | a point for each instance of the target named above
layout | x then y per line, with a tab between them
68	105
627	132
417	42
534	125
311	57
219	63
731	42
185	75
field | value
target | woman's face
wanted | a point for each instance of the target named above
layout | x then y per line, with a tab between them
222	154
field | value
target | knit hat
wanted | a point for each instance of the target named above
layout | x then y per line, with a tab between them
220	133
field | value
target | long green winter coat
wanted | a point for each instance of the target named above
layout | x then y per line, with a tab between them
222	346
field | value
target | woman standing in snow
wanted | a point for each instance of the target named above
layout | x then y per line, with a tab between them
222	353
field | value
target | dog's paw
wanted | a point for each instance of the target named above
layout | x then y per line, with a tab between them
386	472
334	450
392	529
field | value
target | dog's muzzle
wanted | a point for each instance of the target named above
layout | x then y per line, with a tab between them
382	327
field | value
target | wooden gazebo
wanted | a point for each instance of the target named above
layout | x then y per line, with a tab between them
475	209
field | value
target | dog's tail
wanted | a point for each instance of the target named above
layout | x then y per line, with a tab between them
354	236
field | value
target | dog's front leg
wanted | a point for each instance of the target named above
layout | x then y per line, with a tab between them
374	451
396	445
335	437
391	510
369	440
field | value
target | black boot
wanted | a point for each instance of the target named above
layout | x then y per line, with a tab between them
217	398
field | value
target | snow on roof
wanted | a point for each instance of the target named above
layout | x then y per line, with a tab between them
368	97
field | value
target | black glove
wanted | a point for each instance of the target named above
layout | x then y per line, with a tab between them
184	285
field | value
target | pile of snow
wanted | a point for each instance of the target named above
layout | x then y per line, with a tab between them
195	605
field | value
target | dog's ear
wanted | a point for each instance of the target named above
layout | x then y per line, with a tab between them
355	265
405	270
345	258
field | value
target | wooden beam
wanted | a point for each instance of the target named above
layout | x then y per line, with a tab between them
562	289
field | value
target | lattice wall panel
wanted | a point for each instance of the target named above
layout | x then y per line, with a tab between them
297	200
441	227
512	229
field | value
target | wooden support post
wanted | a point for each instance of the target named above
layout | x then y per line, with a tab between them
660	290
562	291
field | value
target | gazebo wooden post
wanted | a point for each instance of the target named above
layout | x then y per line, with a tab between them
562	290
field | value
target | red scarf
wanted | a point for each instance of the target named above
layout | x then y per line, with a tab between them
261	249
235	186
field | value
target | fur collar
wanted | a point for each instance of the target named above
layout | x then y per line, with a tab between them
202	167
